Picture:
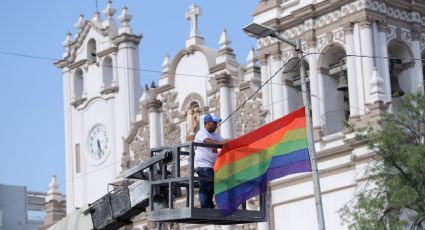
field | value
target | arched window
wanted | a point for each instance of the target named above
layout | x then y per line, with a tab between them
78	84
91	51
401	67
334	91
107	72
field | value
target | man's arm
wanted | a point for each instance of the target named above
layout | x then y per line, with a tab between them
211	141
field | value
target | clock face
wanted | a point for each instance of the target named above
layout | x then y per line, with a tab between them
98	143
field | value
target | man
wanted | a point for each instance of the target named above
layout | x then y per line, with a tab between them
205	158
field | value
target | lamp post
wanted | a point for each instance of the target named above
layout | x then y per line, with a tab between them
260	31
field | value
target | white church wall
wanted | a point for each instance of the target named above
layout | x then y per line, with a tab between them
294	208
193	64
98	112
301	214
69	159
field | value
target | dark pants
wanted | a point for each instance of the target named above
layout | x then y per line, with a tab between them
206	190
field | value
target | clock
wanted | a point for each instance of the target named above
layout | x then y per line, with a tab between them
98	143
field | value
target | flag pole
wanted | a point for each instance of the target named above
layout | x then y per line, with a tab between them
259	31
310	139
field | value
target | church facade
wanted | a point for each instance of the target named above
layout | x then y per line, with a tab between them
360	56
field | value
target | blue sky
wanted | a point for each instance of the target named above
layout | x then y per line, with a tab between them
31	114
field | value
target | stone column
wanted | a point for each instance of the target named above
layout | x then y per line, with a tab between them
351	71
154	109
366	37
227	129
382	65
416	49
314	82
279	108
358	65
265	91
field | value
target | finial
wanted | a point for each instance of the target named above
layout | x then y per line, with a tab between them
252	58
153	85
53	193
109	23
165	63
109	11
97	18
80	23
125	19
225	52
224	40
68	40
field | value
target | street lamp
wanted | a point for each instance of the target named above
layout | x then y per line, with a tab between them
260	31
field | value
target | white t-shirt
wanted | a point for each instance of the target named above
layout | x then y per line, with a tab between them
205	157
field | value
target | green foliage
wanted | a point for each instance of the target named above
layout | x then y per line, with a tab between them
394	193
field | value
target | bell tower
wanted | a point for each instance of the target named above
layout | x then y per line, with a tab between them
101	88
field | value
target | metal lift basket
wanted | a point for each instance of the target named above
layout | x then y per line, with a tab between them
115	209
172	196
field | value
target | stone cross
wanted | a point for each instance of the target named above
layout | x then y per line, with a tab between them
192	16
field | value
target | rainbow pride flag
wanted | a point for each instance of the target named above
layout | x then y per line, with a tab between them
247	163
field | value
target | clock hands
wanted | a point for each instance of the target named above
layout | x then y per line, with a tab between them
99	148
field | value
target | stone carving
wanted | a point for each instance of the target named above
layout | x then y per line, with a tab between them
169	100
139	146
340	36
171	130
136	145
390	32
214	105
329	37
250	116
169	104
170	113
287	54
214	86
192	120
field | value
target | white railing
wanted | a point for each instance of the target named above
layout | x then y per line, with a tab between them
333	122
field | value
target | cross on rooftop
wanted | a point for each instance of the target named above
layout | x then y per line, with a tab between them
192	16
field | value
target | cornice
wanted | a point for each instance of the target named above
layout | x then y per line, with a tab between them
77	64
266	5
224	80
154	106
135	39
107	51
322	15
86	102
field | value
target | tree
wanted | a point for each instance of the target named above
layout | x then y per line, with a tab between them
394	195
